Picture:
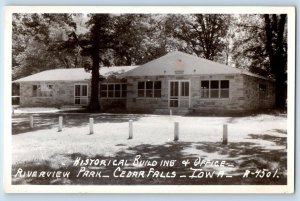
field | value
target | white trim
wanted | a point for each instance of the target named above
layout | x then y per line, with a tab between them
81	97
219	89
114	91
179	92
40	84
145	89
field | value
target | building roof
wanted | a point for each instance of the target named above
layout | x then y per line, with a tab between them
176	63
73	74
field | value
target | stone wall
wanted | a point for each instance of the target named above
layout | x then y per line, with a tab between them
244	94
256	98
63	94
235	102
136	103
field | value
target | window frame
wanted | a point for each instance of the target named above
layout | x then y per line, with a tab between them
219	89
39	86
80	97
263	88
153	91
121	90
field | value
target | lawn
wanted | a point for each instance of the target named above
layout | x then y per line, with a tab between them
255	143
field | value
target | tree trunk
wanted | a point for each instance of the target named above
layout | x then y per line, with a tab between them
276	56
94	105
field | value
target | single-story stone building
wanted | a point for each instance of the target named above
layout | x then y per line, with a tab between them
177	81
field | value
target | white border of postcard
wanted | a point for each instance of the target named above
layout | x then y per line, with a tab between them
289	188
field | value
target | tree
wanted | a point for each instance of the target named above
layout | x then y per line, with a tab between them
96	44
260	46
203	34
249	51
277	53
39	43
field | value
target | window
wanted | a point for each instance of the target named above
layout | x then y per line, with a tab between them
149	89
224	91
215	89
263	89
204	89
113	90
42	90
185	89
81	94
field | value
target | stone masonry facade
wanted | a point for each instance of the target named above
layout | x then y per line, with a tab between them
63	94
244	94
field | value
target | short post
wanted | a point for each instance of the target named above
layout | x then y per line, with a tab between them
171	113
31	121
176	131
60	123
130	129
225	134
91	125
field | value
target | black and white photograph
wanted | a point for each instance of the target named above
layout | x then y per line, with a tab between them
150	99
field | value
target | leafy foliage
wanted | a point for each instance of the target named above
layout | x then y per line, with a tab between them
46	41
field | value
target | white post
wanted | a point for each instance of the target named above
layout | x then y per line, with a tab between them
60	123
91	125
171	113
31	121
130	129
176	131
225	134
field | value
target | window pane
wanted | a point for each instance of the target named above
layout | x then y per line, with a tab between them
124	93
34	90
77	101
214	93
204	93
103	86
149	85
110	87
184	89
103	94
141	93
157	93
204	84
225	93
84	90
174	89
117	94
224	84
141	85
110	94
157	85
262	87
77	90
214	84
117	87
149	93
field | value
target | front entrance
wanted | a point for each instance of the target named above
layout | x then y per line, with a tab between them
179	93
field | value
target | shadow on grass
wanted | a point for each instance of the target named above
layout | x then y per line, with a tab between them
20	122
244	156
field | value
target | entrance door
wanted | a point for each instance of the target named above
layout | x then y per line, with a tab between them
179	93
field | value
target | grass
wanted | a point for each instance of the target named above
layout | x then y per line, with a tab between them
261	146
